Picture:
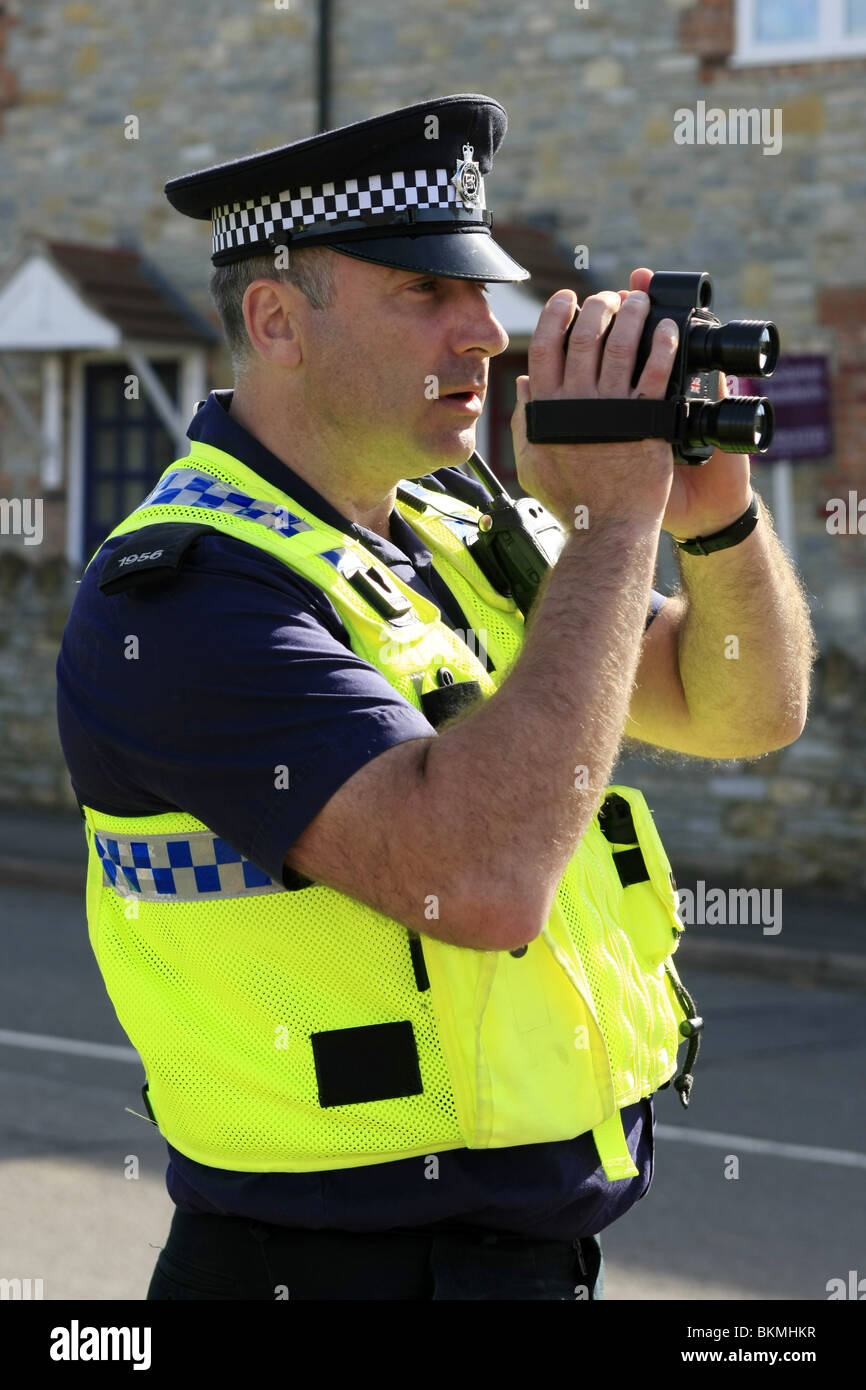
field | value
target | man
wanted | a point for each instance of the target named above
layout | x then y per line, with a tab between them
358	912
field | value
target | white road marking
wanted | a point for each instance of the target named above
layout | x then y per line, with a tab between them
844	1158
42	1043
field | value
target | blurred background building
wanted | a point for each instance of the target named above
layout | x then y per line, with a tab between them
108	337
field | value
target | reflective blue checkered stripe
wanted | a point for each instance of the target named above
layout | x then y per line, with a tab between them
178	868
187	487
334	557
190	487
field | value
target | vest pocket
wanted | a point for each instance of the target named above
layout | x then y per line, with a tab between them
525	1053
529	999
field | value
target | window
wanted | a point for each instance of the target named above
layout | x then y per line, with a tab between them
797	31
126	446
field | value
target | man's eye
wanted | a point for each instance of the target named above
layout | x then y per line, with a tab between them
435	285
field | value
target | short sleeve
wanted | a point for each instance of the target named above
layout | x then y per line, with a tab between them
245	705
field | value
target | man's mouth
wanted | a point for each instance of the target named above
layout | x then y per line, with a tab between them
471	401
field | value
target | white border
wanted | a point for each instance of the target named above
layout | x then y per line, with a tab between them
832	41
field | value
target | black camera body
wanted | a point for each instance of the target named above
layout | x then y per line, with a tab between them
707	347
690	416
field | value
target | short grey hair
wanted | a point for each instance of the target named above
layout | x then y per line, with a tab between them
312	270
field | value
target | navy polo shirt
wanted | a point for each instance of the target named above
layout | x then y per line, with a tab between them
243	665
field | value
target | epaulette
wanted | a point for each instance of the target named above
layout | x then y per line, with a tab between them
151	556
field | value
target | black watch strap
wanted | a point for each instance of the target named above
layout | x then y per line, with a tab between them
722	540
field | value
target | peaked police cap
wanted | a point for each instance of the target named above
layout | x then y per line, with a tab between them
405	189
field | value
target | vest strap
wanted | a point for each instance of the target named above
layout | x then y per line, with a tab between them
631	866
691	1028
610	1141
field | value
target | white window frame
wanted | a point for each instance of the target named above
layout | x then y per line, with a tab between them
832	40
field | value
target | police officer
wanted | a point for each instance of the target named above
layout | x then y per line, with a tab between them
401	1007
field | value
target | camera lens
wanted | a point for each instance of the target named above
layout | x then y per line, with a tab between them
738	425
765	353
744	347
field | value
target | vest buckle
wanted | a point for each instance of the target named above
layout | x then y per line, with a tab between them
377	587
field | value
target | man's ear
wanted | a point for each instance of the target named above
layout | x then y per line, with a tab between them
272	315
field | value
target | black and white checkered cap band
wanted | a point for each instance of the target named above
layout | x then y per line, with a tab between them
243	224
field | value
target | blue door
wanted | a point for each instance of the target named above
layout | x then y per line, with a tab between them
126	445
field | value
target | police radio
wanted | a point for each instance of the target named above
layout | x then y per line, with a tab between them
518	540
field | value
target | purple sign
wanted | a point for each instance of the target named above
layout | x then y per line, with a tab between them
800	392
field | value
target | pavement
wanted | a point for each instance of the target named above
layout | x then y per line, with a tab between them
83	1204
807	938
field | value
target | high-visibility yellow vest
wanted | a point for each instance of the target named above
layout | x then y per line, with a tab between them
299	1031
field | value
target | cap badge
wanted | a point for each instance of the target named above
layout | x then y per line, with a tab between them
467	179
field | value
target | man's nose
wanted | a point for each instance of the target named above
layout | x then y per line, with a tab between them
481	330
502	339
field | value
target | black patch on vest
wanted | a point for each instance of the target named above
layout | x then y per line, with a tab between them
631	866
377	1062
151	556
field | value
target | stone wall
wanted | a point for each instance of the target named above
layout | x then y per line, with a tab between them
797	816
203	87
591	95
35	598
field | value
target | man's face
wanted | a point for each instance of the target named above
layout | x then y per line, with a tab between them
386	358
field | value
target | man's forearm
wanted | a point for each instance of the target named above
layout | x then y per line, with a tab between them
745	646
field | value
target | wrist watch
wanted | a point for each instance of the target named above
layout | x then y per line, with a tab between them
722	540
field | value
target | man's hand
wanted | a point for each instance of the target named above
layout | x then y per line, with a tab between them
691	694
616	479
703	498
